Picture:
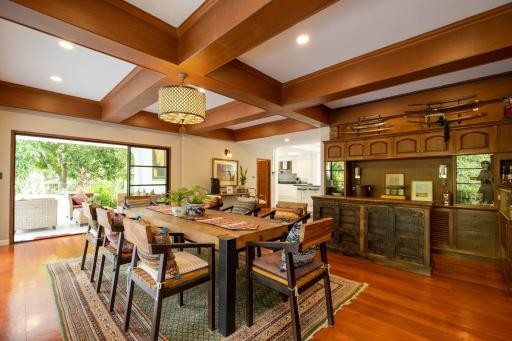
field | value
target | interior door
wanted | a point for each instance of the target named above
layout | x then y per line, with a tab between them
263	181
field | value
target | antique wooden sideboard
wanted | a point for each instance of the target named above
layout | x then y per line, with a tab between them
390	232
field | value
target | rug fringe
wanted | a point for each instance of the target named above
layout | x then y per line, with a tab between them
323	325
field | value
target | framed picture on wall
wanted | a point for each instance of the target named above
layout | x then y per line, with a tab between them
226	171
422	190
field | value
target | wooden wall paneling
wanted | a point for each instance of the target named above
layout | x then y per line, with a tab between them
379	148
504	138
475	140
406	146
441	227
356	150
334	151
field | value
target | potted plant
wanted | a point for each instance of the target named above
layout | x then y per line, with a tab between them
195	201
242	179
177	199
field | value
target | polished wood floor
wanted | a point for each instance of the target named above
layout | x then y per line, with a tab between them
463	300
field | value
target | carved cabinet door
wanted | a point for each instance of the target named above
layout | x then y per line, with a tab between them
476	140
409	242
379	225
349	229
379	148
334	151
434	144
406	146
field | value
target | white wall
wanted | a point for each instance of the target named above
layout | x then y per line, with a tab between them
199	151
194	168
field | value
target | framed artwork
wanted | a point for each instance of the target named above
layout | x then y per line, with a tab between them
229	189
507	108
422	190
226	171
395	184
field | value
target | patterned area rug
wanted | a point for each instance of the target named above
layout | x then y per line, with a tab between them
84	314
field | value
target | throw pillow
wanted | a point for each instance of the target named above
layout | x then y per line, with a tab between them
300	258
79	198
153	261
242	207
286	214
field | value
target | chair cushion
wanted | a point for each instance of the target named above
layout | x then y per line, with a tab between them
271	262
242	207
113	238
153	261
287	214
292	206
211	201
300	258
186	262
150	282
79	198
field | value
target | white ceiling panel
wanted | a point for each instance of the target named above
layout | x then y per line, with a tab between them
427	83
257	122
212	100
30	58
351	28
173	12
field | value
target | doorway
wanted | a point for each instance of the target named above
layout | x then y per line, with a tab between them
263	171
53	175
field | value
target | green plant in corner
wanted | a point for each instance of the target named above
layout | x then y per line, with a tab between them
243	177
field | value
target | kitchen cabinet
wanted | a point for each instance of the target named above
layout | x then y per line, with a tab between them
356	150
334	151
379	148
476	140
433	144
406	146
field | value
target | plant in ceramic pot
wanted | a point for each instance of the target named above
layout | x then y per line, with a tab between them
195	201
242	179
177	199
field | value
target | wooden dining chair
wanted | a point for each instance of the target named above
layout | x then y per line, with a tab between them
94	235
137	201
115	249
294	281
244	207
189	271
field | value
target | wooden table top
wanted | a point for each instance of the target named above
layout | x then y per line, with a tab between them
206	233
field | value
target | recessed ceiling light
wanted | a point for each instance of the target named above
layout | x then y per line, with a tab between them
303	39
56	79
66	45
286	140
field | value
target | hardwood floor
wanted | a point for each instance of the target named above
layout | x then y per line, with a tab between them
464	299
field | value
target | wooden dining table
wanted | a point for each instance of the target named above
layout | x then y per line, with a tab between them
227	242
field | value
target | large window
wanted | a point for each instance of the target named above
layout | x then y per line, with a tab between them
335	177
474	185
148	170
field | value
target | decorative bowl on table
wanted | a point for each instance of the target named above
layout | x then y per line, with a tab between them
194	210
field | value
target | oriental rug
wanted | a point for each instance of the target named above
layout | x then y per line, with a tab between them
84	314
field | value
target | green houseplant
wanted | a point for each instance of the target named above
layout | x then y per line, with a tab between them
177	199
195	199
242	179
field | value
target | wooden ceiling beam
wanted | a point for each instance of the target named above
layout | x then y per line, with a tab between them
220	31
136	91
270	129
227	114
477	40
219	134
24	97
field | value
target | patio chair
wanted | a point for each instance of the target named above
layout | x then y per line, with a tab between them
295	280
115	249
162	273
94	235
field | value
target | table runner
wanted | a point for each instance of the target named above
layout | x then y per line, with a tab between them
227	223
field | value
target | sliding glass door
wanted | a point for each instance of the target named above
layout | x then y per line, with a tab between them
148	170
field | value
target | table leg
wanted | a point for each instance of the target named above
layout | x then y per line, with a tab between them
227	287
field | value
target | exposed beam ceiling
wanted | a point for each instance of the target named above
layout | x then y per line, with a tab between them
474	41
220	31
270	129
135	92
128	33
226	115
